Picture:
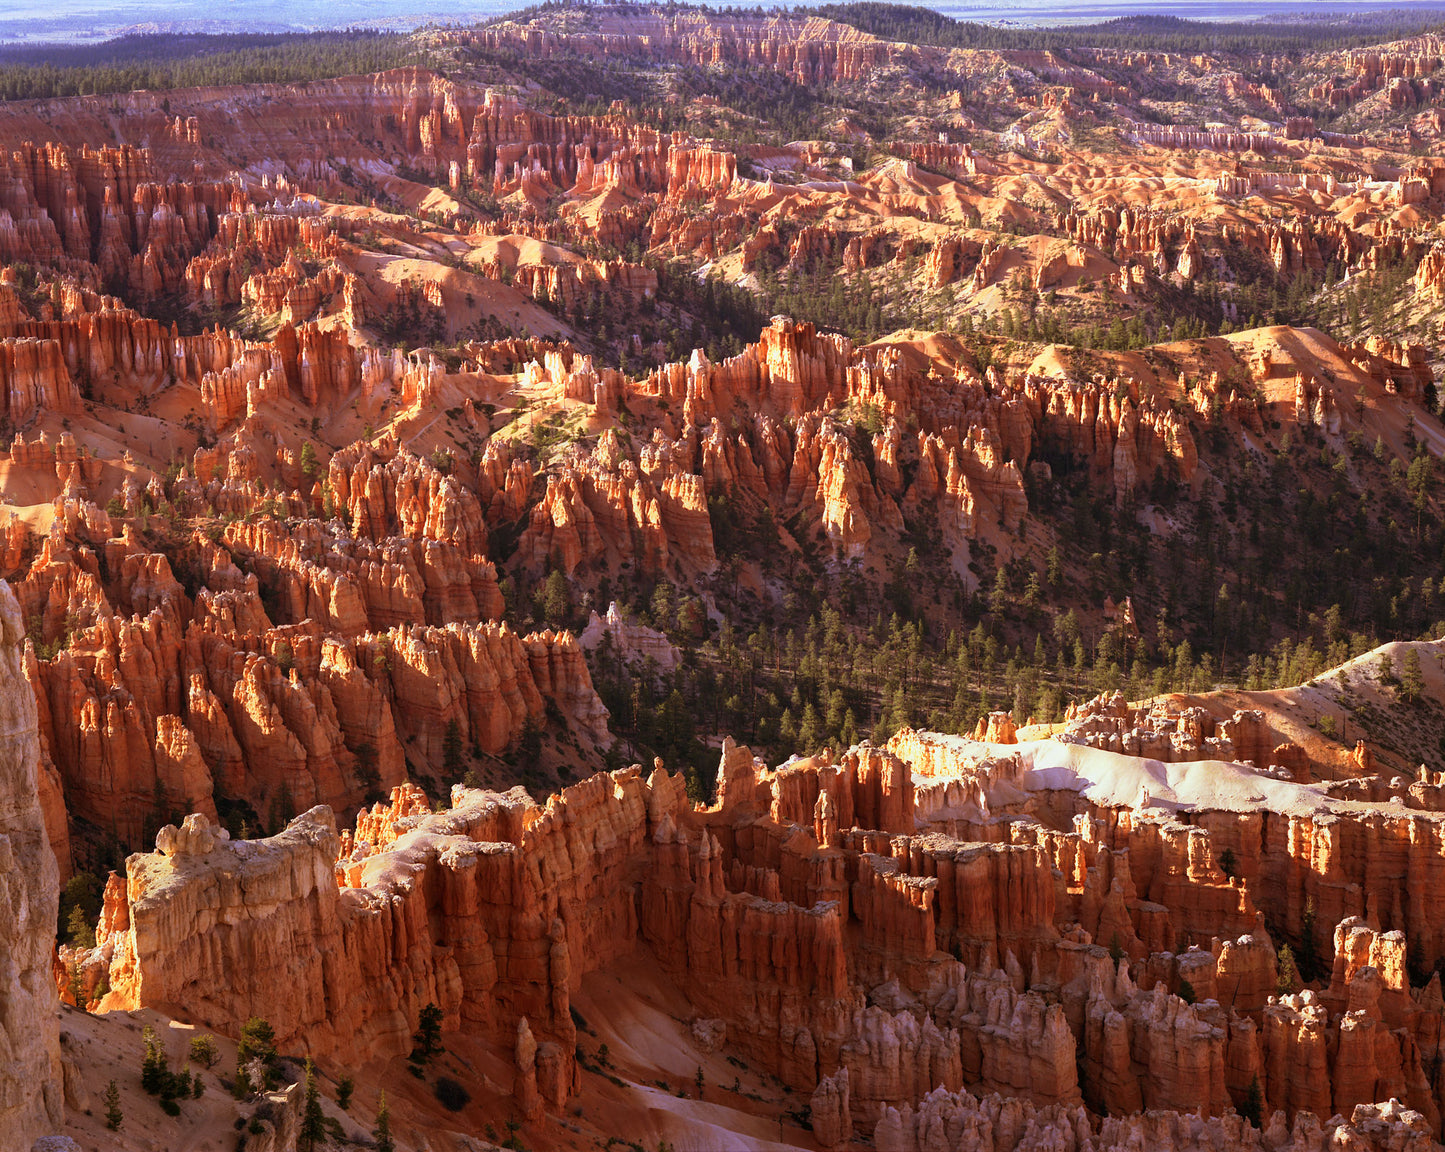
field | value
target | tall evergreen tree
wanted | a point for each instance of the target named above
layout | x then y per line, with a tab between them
382	1131
114	1118
153	1070
313	1120
1412	677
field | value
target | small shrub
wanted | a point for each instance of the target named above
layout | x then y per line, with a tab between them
170	1107
452	1095
177	1085
204	1051
513	1141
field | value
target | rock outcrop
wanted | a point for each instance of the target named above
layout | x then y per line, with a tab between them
31	1098
820	919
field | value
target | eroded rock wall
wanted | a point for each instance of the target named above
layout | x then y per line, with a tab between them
30	1093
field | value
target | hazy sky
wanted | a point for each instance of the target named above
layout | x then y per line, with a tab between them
30	20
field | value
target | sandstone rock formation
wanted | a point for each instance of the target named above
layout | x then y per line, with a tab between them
315	393
30	1090
945	964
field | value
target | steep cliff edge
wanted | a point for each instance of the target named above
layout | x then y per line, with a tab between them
30	1096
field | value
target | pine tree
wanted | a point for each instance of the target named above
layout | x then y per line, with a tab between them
452	750
1253	1109
1032	591
698	1080
382	1131
837	705
1288	979
998	600
344	1088
113	1117
1308	960
313	1122
428	1035
788	730
1023	704
153	1070
1412	679
257	1043
79	929
809	734
556	600
177	1085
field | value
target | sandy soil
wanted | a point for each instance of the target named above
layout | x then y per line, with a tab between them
109	1047
468	297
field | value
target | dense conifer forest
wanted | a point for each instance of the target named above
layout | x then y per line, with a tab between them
159	62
